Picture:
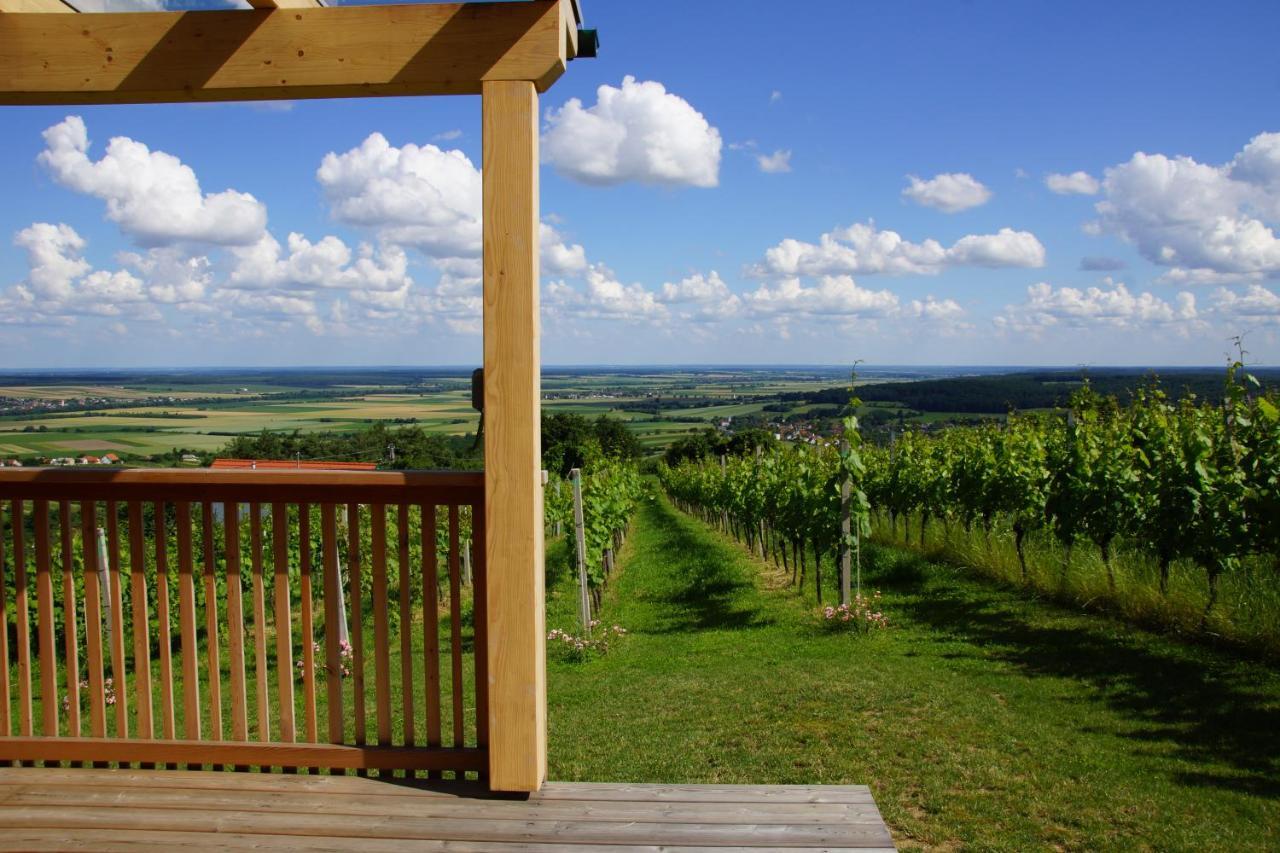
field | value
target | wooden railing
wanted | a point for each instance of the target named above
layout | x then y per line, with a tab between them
194	618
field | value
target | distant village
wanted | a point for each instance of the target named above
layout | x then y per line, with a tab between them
73	461
38	406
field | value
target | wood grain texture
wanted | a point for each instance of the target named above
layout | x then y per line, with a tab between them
164	625
262	703
307	616
44	622
332	603
230	486
455	629
5	700
21	617
141	639
235	624
381	633
285	4
341	51
187	624
119	662
70	624
93	620
481	621
513	495
406	624
226	752
355	624
282	619
36	6
430	626
43	809
213	652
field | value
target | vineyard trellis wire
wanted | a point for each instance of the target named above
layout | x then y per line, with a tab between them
1189	481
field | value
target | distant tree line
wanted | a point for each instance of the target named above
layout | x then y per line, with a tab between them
711	444
1023	391
568	441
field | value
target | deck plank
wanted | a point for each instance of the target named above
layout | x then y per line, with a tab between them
114	809
113	840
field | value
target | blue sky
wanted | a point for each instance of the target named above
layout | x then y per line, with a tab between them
1093	183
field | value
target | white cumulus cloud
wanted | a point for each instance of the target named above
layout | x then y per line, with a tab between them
153	196
948	192
1077	183
705	297
1196	217
327	264
831	296
639	132
775	163
1111	305
863	249
419	196
1005	248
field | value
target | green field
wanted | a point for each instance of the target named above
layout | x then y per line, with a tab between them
204	413
153	415
981	718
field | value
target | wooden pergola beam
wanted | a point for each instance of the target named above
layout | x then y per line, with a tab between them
285	4
36	6
282	53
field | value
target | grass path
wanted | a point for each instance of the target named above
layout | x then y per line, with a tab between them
981	719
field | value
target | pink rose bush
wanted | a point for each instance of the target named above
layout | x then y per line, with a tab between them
863	614
571	647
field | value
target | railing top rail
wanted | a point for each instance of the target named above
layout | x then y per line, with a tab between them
243	486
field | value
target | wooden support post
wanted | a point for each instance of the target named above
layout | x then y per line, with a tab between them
580	548
512	451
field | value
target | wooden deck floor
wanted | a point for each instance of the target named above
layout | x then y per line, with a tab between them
48	808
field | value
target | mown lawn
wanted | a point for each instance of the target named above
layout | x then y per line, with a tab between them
981	719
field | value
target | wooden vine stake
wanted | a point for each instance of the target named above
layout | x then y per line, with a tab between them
580	538
104	584
846	527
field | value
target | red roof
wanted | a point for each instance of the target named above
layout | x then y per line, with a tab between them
293	465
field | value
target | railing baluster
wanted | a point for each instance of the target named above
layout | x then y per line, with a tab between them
212	649
332	619
235	624
355	625
22	617
430	628
480	609
93	619
70	625
90	513
187	623
381	639
44	622
141	640
406	624
163	626
259	623
119	680
283	619
5	727
308	621
455	626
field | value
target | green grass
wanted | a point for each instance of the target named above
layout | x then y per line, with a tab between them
981	719
1246	615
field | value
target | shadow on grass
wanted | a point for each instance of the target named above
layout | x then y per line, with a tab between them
704	591
1209	708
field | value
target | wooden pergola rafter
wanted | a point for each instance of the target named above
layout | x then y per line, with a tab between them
507	52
